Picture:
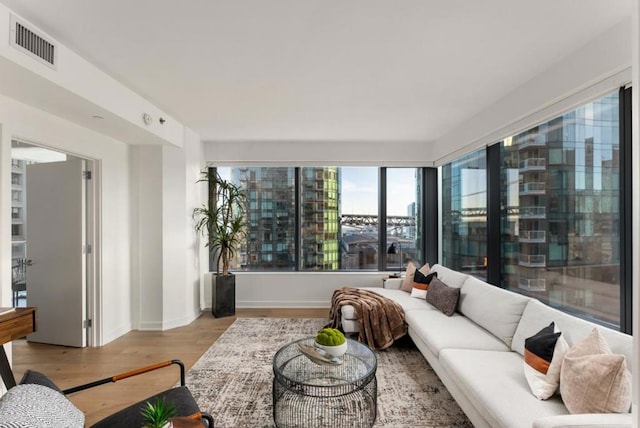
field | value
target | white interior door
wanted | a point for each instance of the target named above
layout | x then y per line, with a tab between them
56	235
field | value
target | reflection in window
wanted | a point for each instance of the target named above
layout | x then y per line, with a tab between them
270	212
464	214
320	212
359	217
337	216
403	208
560	218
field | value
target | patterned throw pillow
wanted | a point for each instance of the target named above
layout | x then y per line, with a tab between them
594	380
543	354
32	405
407	283
443	297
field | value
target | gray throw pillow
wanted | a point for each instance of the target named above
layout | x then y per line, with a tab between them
443	297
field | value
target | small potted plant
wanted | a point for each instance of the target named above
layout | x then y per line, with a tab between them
158	414
332	341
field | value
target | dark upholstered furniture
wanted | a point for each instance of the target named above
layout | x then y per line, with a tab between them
130	416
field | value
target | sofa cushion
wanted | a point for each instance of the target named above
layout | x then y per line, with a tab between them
543	356
439	332
443	297
537	315
602	420
33	405
593	380
494	384
450	277
493	308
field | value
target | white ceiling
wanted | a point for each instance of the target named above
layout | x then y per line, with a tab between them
298	70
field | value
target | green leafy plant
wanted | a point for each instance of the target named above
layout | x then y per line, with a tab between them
330	337
158	414
223	221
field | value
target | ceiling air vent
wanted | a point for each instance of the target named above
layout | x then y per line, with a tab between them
32	43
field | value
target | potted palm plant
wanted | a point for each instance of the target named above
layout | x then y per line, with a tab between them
223	223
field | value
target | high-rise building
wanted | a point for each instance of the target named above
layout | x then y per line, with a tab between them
271	212
560	229
320	218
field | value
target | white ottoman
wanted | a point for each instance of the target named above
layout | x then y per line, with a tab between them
348	313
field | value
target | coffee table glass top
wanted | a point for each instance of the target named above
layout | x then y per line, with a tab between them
291	366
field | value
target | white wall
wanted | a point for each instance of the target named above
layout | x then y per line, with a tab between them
146	236
196	194
29	124
296	290
601	66
292	289
77	89
165	272
318	153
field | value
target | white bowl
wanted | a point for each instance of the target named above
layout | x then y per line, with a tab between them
335	351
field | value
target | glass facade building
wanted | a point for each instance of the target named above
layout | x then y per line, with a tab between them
320	217
561	222
464	214
559	212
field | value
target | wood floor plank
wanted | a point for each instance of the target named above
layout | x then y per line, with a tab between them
69	367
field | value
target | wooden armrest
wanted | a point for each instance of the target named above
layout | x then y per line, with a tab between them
128	374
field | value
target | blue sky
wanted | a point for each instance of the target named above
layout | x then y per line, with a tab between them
360	190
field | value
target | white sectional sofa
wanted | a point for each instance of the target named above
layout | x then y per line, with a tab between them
478	352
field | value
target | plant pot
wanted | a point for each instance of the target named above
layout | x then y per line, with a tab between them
223	295
335	351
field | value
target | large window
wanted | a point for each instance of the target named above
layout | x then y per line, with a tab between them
320	208
403	216
327	218
270	238
464	214
559	212
561	222
359	188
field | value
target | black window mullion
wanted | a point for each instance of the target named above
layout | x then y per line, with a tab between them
494	260
430	224
298	220
626	226
382	219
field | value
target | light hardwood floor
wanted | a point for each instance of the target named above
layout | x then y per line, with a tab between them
69	367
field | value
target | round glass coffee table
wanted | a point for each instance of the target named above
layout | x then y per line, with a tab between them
308	394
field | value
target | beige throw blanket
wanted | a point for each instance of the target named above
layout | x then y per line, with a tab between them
381	320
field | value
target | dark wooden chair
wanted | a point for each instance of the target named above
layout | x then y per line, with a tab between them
186	407
19	322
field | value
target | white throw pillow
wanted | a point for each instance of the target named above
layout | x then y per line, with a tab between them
543	355
418	293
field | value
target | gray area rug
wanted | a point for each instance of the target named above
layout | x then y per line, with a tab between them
232	380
